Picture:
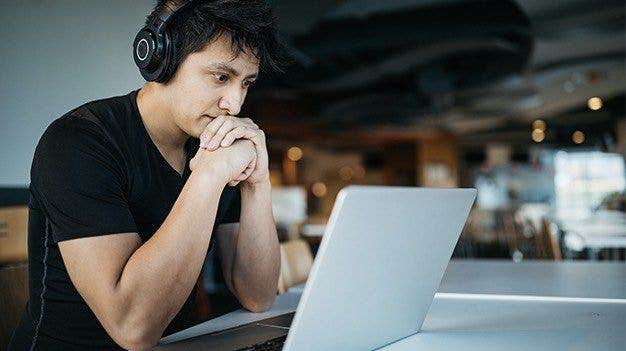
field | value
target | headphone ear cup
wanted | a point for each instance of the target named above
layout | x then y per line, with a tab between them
149	53
169	66
144	52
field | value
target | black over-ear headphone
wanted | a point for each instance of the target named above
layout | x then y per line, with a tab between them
153	49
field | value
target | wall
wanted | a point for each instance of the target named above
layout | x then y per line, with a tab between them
57	55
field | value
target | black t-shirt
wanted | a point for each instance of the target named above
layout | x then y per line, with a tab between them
95	172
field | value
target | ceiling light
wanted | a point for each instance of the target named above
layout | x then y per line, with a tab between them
346	173
594	103
578	137
294	153
318	189
538	135
539	124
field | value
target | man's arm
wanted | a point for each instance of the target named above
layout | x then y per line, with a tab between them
249	251
140	289
135	290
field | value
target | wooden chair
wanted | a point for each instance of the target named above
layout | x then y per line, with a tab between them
550	236
539	247
510	229
13	298
519	236
545	240
296	261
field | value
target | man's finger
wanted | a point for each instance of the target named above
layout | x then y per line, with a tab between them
236	133
217	138
250	123
211	129
242	133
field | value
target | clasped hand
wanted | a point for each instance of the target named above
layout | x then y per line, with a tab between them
223	131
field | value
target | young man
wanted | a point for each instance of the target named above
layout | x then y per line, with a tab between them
129	193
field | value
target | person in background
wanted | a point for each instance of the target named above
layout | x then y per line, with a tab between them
129	193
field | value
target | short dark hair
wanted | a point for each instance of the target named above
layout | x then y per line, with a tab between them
249	24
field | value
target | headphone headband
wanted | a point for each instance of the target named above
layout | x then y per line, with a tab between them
152	48
170	8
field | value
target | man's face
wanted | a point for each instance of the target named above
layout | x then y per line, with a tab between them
210	83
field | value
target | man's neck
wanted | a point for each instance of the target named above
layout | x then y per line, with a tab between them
156	115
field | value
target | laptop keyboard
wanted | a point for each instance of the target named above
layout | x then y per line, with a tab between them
275	344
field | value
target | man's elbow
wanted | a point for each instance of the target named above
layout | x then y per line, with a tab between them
258	306
137	345
136	338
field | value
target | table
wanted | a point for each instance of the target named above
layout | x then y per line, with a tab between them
538	278
512	325
539	305
602	280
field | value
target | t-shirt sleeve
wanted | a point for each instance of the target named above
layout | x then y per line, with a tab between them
234	208
80	182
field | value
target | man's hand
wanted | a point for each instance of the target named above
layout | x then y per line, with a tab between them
224	130
234	163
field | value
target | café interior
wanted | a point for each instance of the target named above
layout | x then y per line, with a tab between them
523	100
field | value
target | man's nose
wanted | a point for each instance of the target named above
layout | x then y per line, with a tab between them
231	102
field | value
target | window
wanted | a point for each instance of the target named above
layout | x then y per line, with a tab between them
582	179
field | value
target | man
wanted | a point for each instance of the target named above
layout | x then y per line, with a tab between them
129	193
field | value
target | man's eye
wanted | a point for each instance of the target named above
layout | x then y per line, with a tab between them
221	77
248	83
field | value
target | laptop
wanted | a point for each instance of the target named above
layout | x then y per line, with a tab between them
383	254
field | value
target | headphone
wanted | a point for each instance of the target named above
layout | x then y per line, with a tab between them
153	49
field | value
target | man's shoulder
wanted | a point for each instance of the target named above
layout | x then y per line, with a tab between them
102	111
101	117
88	136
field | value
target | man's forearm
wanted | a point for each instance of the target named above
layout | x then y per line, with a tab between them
257	257
160	275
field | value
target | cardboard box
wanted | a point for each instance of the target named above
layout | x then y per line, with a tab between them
13	234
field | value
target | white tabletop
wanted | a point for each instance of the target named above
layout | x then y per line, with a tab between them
483	324
538	278
525	313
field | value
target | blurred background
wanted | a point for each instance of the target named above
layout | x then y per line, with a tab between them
523	100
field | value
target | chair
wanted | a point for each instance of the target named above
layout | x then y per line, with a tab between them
539	247
13	298
549	233
546	244
296	261
519	236
510	229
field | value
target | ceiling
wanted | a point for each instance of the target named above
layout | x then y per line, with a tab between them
483	70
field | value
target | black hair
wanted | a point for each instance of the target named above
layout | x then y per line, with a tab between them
249	24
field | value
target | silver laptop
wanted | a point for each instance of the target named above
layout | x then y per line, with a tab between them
380	262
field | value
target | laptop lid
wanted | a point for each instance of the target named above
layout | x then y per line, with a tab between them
381	260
